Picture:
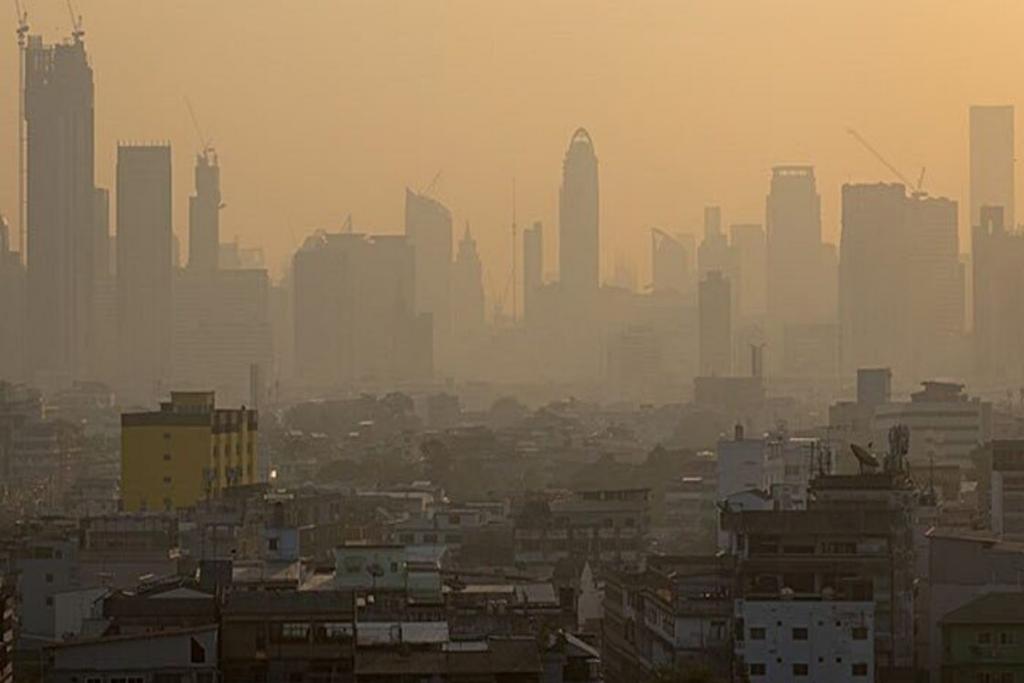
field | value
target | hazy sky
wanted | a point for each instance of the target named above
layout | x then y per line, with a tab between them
319	108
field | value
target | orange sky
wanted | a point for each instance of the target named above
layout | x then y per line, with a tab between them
319	108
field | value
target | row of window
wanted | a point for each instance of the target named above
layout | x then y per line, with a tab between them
1004	638
801	633
801	669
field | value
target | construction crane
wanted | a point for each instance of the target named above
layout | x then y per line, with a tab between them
433	183
205	143
77	32
878	155
22	32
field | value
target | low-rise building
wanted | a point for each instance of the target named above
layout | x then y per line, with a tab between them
984	640
805	640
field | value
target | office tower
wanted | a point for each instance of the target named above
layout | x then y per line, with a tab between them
204	214
60	202
992	162
714	252
533	269
188	451
579	255
997	257
428	227
354	312
873	280
104	356
749	245
12	308
670	263
467	292
715	311
936	288
144	267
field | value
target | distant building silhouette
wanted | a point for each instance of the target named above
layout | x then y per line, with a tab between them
354	313
428	227
992	150
998	265
670	263
467	294
533	270
144	267
12	308
61	231
750	247
204	214
579	223
715	314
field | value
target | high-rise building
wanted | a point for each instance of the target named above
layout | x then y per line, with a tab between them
428	228
533	270
748	243
60	202
204	214
12	308
354	314
670	267
144	267
992	151
997	259
579	257
467	293
796	271
715	313
187	451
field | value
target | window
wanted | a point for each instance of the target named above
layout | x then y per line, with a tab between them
985	638
271	544
860	669
167	678
49	578
860	633
757	633
93	680
135	679
430	538
799	669
167	480
295	631
167	457
49	601
799	633
406	539
334	631
758	669
1006	638
455	520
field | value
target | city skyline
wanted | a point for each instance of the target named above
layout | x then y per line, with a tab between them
688	133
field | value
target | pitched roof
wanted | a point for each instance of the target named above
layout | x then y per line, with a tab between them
991	608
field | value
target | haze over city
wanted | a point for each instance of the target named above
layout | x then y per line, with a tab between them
371	341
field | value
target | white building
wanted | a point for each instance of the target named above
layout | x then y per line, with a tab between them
806	640
741	464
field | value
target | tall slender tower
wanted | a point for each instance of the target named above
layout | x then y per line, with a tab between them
578	223
60	208
204	214
992	162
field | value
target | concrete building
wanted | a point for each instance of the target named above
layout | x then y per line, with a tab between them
1006	515
715	311
186	451
997	262
810	639
62	235
144	268
740	464
992	156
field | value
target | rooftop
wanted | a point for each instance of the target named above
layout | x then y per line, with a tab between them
992	608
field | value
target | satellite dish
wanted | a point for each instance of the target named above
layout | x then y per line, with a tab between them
864	457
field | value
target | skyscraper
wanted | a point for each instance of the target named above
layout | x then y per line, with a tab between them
12	308
144	267
60	197
204	214
670	263
748	243
428	227
533	269
998	265
467	293
715	312
992	162
578	224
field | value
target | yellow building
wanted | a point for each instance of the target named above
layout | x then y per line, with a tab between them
186	451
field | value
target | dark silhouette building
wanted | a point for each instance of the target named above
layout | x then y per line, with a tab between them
204	214
715	313
578	223
144	267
